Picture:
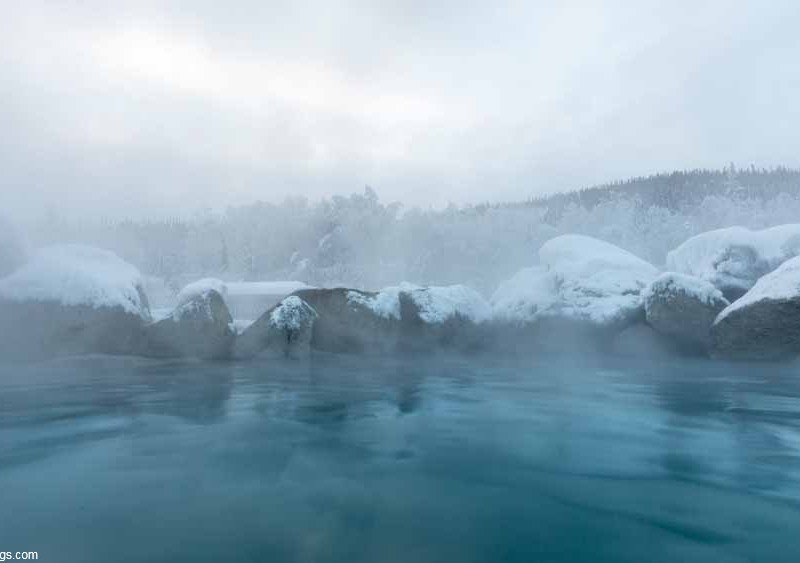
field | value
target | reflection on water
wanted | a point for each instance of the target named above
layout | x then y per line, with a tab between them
346	459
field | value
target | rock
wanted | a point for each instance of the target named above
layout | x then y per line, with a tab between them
404	318
283	331
200	327
352	321
764	324
683	308
581	280
201	287
71	300
734	258
435	318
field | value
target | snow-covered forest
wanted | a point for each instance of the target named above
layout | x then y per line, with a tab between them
361	241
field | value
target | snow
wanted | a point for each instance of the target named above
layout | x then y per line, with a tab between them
291	314
782	283
595	280
200	288
436	304
580	278
265	288
74	274
735	257
673	282
528	294
385	303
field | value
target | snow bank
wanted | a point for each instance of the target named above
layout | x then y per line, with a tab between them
436	304
291	314
74	274
200	288
673	282
732	259
782	283
580	278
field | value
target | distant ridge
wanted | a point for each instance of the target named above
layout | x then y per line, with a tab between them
673	190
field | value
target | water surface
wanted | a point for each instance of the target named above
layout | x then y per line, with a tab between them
434	460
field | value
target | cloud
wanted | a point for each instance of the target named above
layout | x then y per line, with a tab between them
162	107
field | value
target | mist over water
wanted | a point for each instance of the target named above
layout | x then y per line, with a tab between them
592	203
352	459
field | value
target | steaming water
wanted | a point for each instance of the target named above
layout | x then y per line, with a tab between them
352	460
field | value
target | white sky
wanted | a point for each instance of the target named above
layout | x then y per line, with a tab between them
152	108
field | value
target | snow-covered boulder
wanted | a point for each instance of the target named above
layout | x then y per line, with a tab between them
433	304
283	331
683	308
72	299
734	258
432	317
399	318
201	288
200	327
582	280
352	321
764	324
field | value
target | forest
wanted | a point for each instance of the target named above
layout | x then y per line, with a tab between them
360	241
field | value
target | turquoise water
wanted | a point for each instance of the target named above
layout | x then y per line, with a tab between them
438	460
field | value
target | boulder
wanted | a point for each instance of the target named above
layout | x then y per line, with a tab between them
437	318
200	327
764	324
352	321
734	258
72	300
283	331
404	318
201	287
683	308
582	282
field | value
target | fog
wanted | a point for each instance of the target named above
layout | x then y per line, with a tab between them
363	145
163	109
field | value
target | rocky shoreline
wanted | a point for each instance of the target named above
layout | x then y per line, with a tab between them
734	298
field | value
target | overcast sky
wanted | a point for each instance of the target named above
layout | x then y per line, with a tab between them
152	107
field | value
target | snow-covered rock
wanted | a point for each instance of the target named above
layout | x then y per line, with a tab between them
734	258
283	331
200	327
348	322
404	318
72	299
74	274
431	318
435	304
764	324
527	296
581	279
683	308
200	288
